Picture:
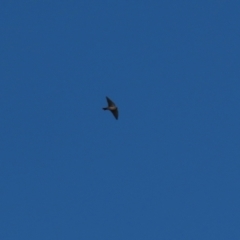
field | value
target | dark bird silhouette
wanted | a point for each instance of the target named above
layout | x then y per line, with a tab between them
112	107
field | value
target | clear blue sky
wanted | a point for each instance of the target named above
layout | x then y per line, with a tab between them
169	168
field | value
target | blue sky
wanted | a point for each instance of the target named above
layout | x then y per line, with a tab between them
169	168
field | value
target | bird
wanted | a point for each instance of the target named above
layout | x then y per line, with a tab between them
112	107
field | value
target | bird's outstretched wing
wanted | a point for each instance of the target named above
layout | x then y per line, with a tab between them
115	113
110	102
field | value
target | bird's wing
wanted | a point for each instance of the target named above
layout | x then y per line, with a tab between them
110	102
115	113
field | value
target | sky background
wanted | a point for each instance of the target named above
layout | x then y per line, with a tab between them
169	168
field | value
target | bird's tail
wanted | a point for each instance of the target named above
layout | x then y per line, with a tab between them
105	108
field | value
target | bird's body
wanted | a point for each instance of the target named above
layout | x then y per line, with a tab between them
112	107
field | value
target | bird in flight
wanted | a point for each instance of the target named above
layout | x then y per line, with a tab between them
112	107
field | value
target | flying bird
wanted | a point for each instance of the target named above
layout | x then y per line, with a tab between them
112	107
